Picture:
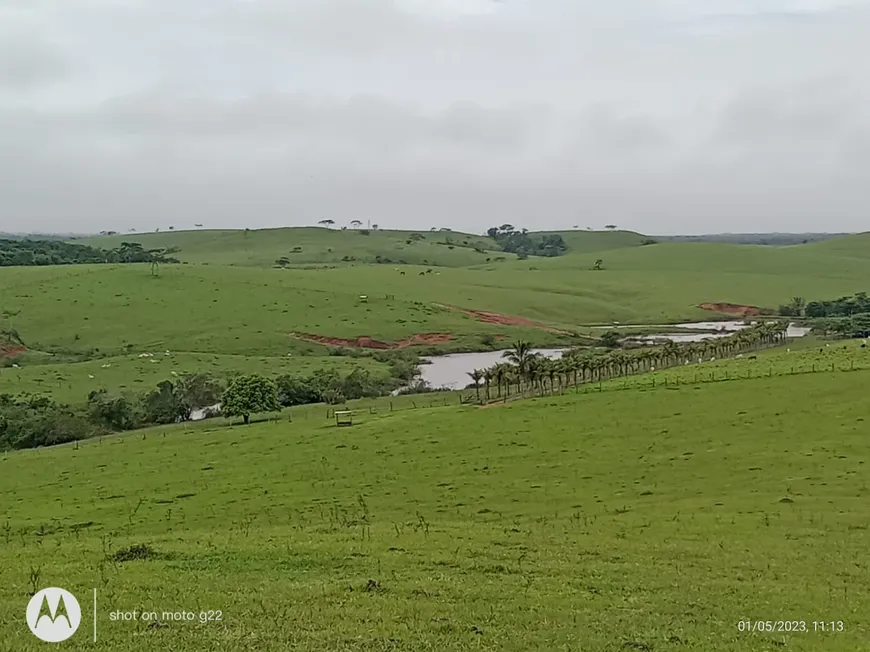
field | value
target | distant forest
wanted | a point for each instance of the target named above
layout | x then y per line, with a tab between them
524	244
774	239
23	253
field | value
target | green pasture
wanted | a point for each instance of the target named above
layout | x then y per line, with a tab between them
251	311
314	246
245	311
797	357
630	520
321	246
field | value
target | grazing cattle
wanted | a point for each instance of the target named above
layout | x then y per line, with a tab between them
753	357
402	273
422	273
863	346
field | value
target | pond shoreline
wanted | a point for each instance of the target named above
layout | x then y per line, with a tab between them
450	371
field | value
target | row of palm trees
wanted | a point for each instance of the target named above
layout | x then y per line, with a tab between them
525	372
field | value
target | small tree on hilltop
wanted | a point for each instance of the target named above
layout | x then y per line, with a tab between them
249	395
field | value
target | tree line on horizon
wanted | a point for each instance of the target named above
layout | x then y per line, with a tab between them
26	253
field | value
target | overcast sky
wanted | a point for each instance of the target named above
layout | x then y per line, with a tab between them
662	116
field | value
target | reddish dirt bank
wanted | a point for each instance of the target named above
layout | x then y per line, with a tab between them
10	351
504	320
733	309
363	341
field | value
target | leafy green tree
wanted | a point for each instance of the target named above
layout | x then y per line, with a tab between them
29	421
296	391
163	405
195	391
797	304
113	412
610	339
249	395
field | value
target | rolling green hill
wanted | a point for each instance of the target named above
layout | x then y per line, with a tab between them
854	246
252	311
321	246
315	246
582	242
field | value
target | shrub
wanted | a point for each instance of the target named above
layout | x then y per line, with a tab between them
30	421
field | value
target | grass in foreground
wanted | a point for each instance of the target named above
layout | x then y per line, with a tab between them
652	520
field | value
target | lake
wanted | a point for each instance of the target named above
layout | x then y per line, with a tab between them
451	371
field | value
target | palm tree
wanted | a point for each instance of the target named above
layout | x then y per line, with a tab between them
500	372
552	368
476	376
488	376
520	355
670	351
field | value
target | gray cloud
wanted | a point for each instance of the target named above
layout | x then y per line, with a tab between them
28	61
547	114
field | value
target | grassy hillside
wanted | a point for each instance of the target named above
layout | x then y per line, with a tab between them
250	311
854	246
650	520
316	246
584	242
212	309
321	246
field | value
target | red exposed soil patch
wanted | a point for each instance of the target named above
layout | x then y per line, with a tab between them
363	341
9	351
504	320
733	309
